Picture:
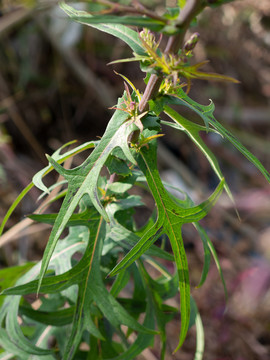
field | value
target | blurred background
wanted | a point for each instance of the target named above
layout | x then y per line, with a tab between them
55	86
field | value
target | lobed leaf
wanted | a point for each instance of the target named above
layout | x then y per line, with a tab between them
37	179
54	318
126	238
11	337
207	244
206	113
193	130
170	219
83	179
60	158
143	340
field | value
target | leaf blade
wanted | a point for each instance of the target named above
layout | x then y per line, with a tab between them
130	37
206	113
83	179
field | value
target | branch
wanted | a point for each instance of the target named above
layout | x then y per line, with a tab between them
138	9
191	9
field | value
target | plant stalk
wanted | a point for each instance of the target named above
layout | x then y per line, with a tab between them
191	9
115	8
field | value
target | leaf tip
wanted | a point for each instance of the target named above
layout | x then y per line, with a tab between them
175	350
111	274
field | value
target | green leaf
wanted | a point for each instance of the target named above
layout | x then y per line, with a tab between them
106	302
162	312
143	340
130	37
14	205
9	276
206	113
214	254
37	179
166	285
200	332
205	240
79	318
7	344
53	284
93	290
13	334
10	310
120	282
12	338
126	238
57	283
54	318
60	158
193	130
207	245
141	22
118	166
84	218
83	179
119	187
170	219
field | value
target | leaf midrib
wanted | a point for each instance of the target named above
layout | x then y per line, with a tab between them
91	259
170	224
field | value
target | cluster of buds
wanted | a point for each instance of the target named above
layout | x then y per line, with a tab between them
173	64
175	61
149	39
170	85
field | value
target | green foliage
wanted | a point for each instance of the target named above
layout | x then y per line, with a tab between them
82	282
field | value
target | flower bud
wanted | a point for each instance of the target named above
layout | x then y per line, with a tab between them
191	42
